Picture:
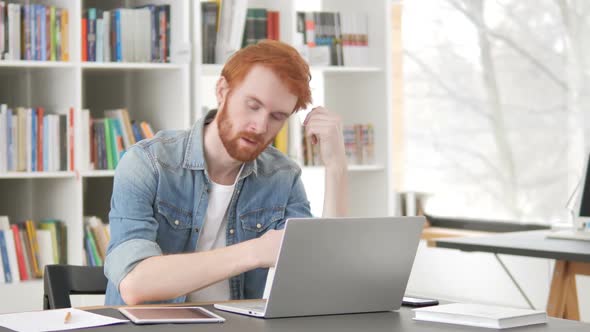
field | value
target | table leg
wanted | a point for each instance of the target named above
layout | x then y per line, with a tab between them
557	293
572	310
571	301
563	295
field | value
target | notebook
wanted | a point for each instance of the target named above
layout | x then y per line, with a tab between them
480	315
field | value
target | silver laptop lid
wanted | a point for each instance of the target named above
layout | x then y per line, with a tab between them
343	265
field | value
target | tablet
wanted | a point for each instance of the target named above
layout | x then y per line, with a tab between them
153	315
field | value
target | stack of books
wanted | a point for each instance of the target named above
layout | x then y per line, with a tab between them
34	32
25	248
35	141
96	240
236	26
332	38
126	34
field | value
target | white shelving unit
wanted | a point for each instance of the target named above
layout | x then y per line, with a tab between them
172	96
155	92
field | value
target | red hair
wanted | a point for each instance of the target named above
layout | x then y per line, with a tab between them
281	58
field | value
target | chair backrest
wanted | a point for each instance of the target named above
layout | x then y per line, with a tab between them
59	281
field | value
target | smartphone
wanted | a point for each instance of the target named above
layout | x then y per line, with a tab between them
418	302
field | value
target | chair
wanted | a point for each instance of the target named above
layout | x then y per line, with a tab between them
59	281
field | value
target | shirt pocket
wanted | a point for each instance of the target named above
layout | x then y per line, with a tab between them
175	225
258	221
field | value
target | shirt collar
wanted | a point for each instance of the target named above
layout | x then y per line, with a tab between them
194	157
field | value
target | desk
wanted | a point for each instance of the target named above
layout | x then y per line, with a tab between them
377	322
572	257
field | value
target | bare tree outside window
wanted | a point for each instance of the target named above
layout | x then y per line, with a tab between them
497	99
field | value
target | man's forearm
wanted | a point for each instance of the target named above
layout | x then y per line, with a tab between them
336	191
165	277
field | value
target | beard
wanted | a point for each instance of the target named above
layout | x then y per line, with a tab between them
234	143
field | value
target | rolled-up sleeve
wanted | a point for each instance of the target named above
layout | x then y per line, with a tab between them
133	226
297	205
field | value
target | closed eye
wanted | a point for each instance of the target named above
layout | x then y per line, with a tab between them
253	105
279	116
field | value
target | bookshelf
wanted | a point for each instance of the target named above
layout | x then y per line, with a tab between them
172	96
155	92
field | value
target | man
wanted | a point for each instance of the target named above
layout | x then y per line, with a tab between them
196	215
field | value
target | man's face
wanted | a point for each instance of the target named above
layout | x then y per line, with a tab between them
252	113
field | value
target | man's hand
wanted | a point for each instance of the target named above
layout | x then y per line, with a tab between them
267	248
325	128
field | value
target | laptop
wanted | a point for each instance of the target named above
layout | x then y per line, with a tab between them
338	266
580	229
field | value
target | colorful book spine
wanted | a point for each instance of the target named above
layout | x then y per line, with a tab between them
93	249
84	33
118	36
33	140
11	250
39	31
4	256
43	39
34	247
89	255
53	34
10	151
18	246
99	39
136	131
71	140
64	35
39	142
108	144
45	141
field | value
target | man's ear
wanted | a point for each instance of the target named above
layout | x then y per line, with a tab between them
221	90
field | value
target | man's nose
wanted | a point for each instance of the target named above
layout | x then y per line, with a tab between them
259	124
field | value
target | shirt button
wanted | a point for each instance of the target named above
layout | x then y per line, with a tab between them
176	222
231	231
259	226
196	229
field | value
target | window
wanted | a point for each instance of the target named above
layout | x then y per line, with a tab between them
496	104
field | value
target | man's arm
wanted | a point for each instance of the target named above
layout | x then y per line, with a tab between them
165	277
134	262
325	128
336	191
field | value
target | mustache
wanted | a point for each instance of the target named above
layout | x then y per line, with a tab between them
259	138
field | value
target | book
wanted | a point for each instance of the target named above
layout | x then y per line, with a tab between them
4	258
11	251
209	16
26	252
31	232
46	256
480	315
101	236
18	246
52	227
232	21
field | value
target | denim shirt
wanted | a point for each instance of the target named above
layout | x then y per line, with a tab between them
160	198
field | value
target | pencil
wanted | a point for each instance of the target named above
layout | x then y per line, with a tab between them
67	318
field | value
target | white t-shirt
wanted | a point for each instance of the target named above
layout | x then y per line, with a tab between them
212	236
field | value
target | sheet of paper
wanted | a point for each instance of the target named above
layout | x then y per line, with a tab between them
53	320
